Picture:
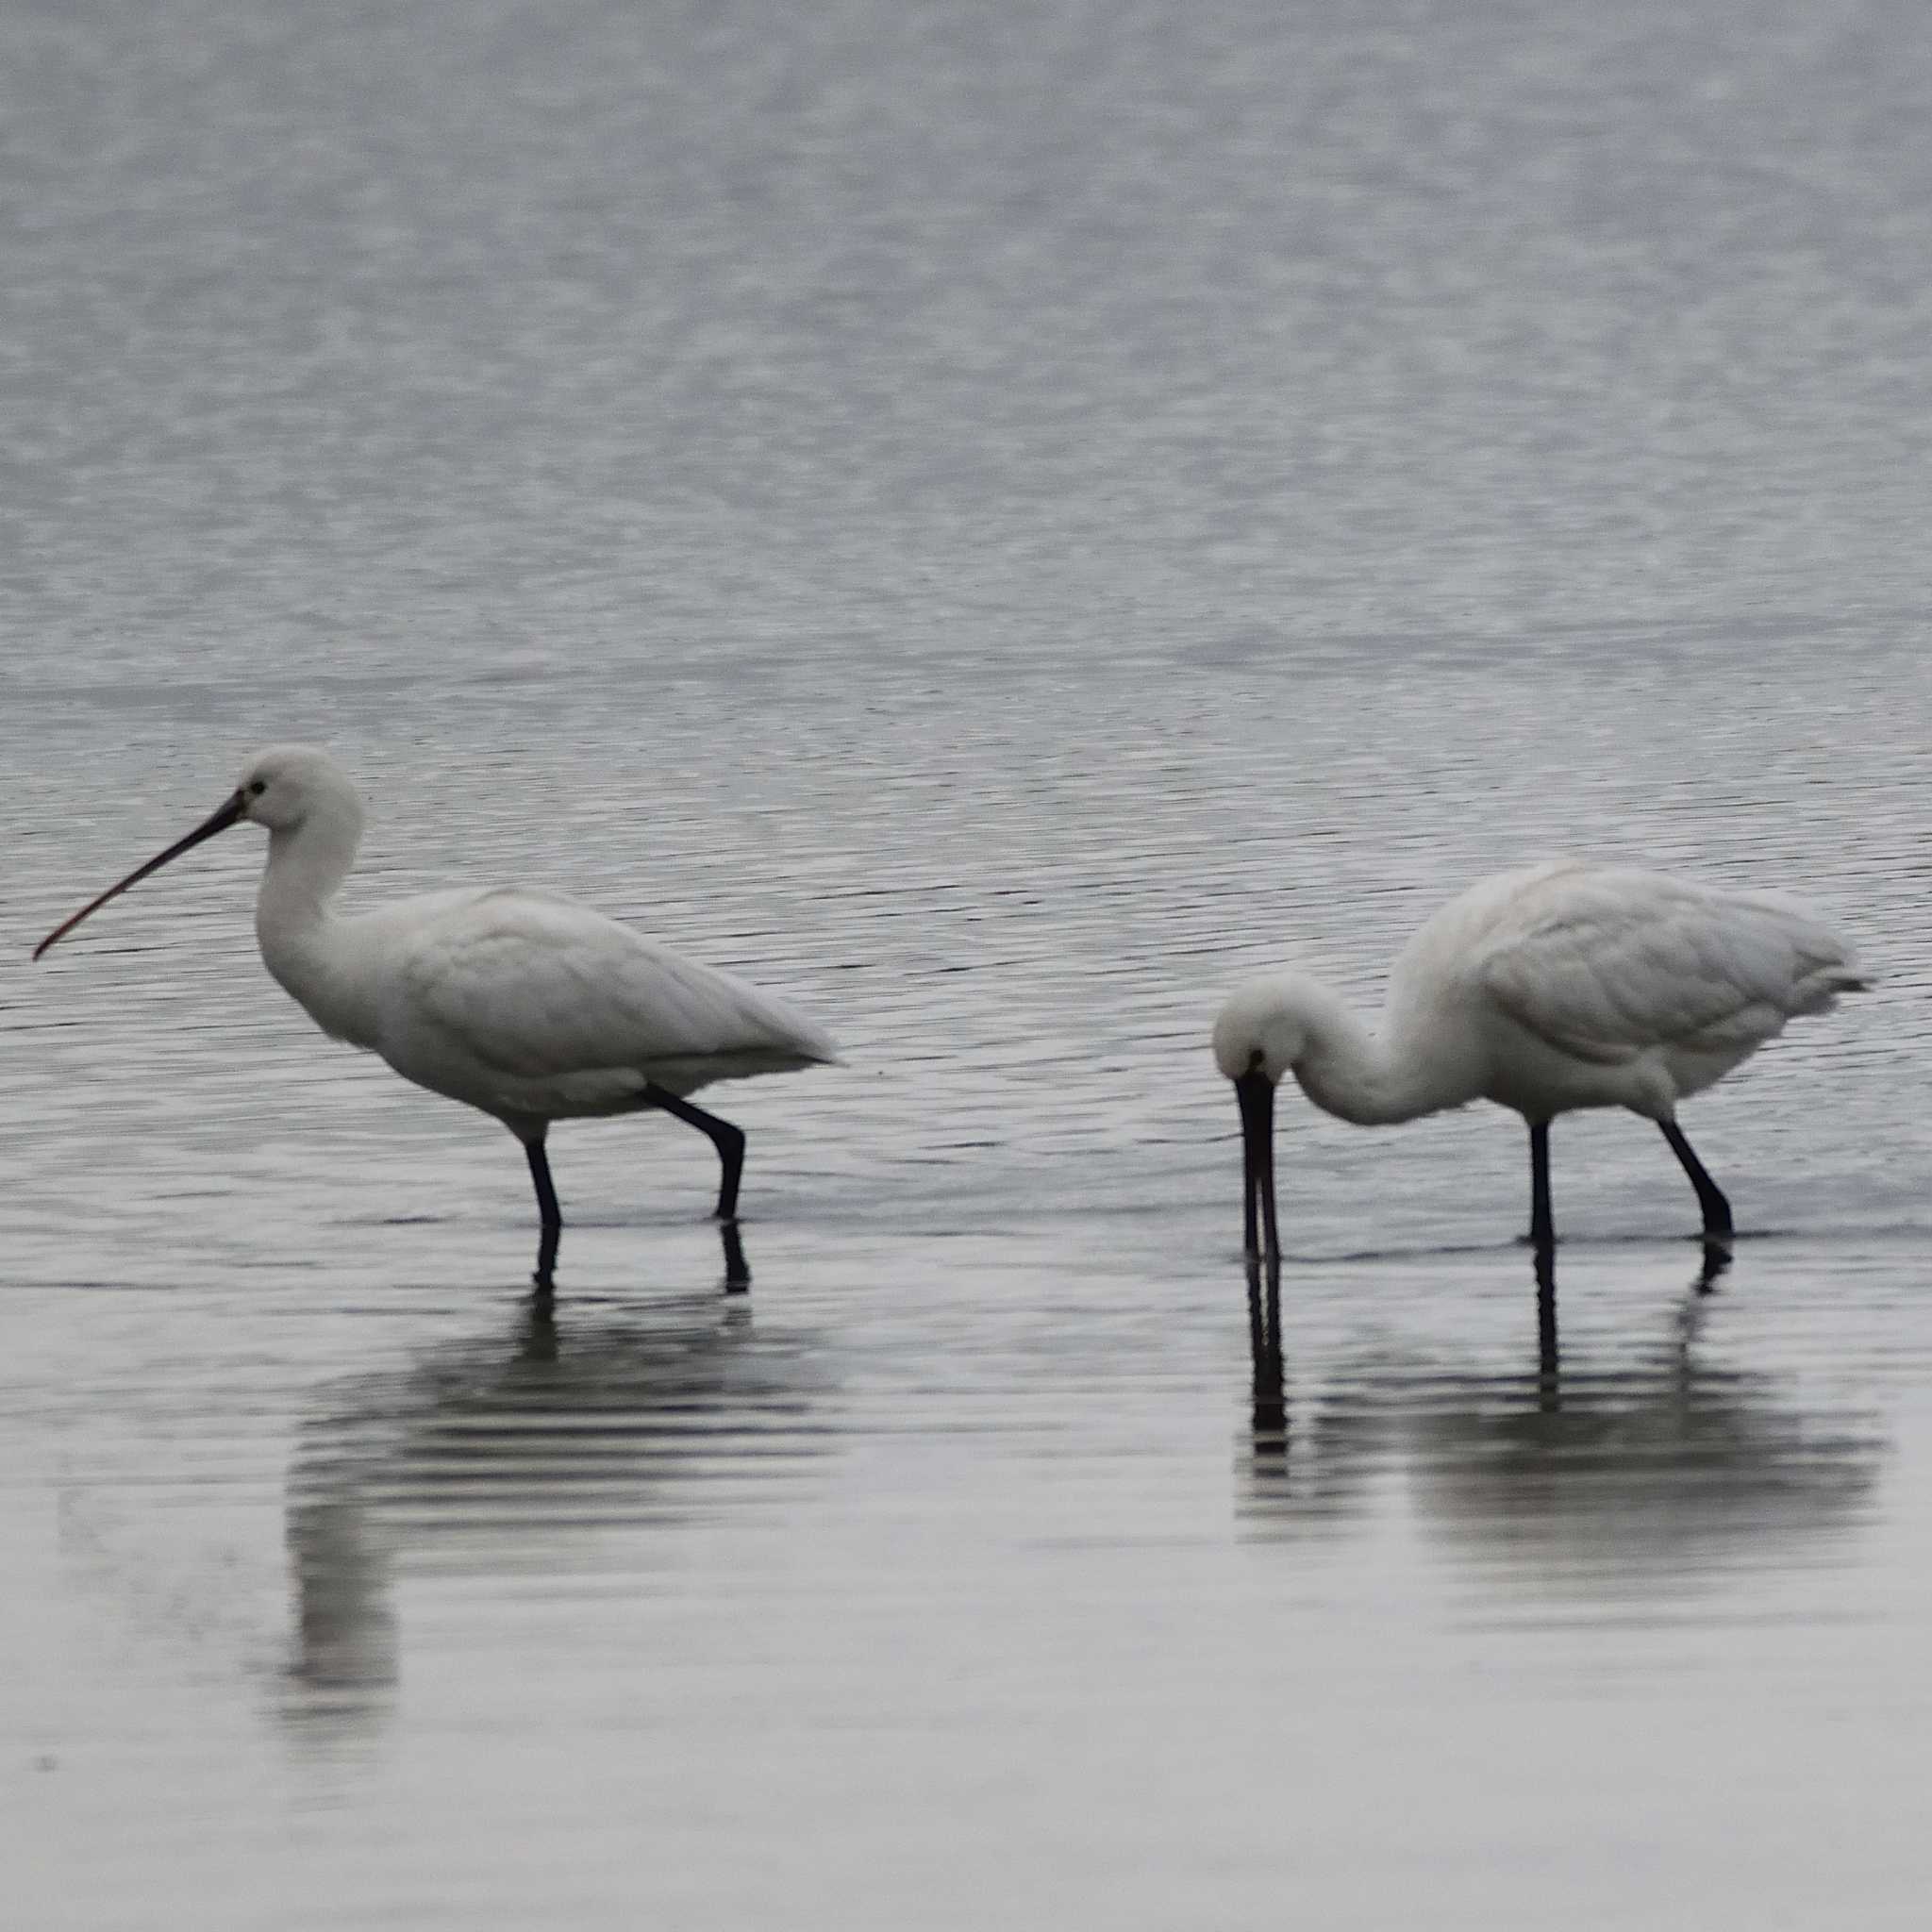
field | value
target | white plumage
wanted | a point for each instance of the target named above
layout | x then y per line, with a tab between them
1560	985
526	1003
522	1004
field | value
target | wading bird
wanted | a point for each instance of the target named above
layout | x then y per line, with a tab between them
524	1004
1564	985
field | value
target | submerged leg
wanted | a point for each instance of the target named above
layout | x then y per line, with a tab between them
1711	1197
727	1140
1542	1225
549	1213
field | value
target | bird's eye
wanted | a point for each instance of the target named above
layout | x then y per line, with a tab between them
257	787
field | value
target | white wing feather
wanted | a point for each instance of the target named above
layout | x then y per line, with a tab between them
550	1002
1608	962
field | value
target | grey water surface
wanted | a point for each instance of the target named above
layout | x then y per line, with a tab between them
994	523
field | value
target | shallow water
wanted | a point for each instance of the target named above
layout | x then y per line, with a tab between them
994	526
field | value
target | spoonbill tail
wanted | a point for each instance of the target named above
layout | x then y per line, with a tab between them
1560	985
522	1004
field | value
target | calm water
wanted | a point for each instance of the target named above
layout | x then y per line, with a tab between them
994	523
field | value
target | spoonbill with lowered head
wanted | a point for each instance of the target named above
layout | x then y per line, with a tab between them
524	1004
1560	985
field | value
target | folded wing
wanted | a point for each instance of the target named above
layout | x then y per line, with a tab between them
1609	962
555	1002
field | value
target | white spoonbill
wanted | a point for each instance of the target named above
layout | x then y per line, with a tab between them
1560	986
524	1004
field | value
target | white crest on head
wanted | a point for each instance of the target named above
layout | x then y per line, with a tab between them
282	786
1263	1026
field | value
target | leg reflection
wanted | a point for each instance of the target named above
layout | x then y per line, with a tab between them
1548	1362
538	1342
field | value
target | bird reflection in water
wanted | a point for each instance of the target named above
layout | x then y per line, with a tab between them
1549	1367
1312	1475
545	1454
1649	1475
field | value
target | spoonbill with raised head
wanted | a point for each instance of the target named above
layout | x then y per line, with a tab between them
525	1005
1560	985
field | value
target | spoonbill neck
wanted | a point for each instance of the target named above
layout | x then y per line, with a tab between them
1372	1078
302	940
307	865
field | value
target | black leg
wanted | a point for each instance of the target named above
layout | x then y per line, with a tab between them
736	1270
1711	1197
549	1213
727	1140
1543	1223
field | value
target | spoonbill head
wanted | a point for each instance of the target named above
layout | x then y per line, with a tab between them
1560	985
279	788
1261	1036
525	1004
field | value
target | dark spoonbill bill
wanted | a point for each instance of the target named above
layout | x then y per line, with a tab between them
522	1004
1560	985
